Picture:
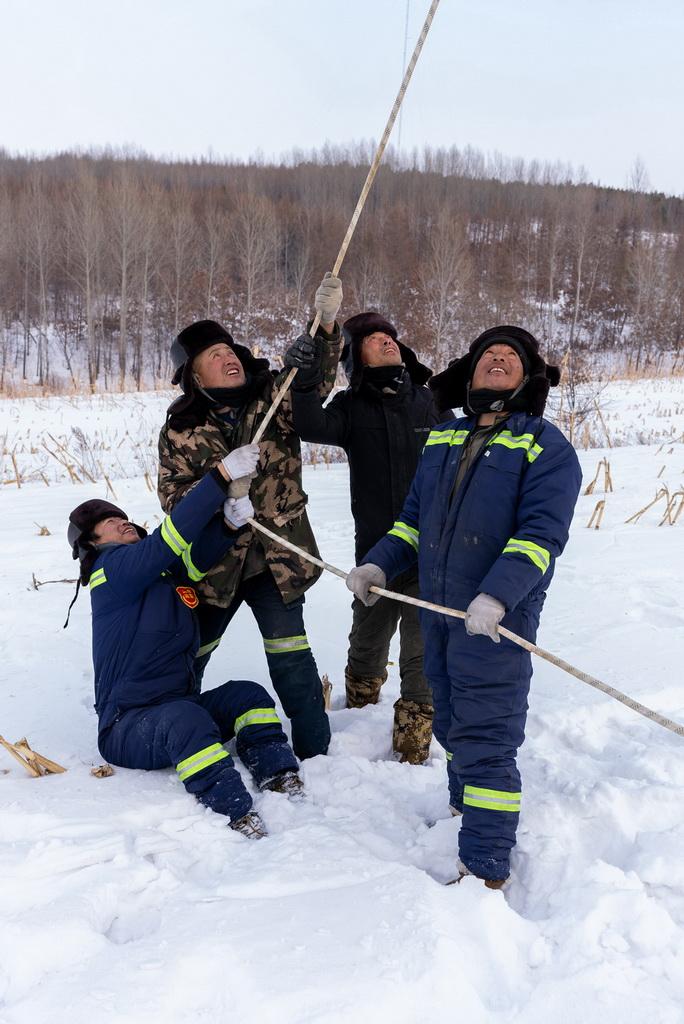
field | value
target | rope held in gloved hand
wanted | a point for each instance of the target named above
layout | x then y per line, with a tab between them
359	206
654	716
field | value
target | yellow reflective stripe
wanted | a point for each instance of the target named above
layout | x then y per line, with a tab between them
206	648
257	716
201	760
190	567
537	554
172	537
525	441
446	437
491	799
285	644
405	532
449	755
97	578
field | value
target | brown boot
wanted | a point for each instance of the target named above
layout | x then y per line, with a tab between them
412	731
362	690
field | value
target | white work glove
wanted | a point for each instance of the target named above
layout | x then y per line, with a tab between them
483	615
362	578
236	511
241	462
328	298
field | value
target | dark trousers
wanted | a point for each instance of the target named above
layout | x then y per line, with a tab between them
480	694
291	663
371	633
189	733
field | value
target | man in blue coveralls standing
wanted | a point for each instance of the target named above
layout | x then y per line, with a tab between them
487	514
145	637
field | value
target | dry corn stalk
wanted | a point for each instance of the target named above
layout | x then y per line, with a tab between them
327	691
670	516
607	478
34	763
662	493
597	515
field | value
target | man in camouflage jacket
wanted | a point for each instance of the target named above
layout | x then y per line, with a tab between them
226	394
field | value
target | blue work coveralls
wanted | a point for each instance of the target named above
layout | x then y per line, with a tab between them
498	533
145	637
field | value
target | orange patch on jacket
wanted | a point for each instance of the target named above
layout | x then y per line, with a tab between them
188	596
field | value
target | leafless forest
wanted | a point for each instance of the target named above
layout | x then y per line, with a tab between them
104	257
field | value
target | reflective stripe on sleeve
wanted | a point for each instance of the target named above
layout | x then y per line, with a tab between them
537	554
207	648
285	644
525	441
491	799
190	567
172	537
201	760
405	532
257	716
97	578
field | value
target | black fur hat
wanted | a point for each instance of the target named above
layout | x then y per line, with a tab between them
358	327
191	407
450	386
82	521
195	339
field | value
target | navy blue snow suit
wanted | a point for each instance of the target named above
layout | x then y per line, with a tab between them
145	637
498	533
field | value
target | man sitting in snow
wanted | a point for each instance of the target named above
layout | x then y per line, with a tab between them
145	638
488	512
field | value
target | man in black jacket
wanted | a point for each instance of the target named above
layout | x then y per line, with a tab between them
382	422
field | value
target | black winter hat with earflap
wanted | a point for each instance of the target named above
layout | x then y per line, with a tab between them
82	521
358	327
452	387
190	343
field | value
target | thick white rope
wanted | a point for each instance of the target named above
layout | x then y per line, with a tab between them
610	691
359	206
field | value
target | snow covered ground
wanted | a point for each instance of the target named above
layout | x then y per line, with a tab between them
122	900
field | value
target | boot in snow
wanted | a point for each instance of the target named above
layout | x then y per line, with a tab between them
362	690
287	782
412	731
490	883
250	825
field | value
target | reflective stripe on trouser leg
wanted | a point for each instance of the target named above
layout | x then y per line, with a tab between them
257	716
202	759
286	644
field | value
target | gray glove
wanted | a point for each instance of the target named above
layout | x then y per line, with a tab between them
236	511
362	578
328	298
241	461
483	615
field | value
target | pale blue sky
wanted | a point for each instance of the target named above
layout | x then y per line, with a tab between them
592	82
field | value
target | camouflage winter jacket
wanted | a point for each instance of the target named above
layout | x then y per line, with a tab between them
194	438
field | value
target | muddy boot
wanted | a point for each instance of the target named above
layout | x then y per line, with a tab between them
250	825
362	690
412	731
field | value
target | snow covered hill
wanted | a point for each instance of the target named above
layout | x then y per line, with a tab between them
122	900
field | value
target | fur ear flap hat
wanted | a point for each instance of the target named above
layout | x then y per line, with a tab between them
451	386
358	327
